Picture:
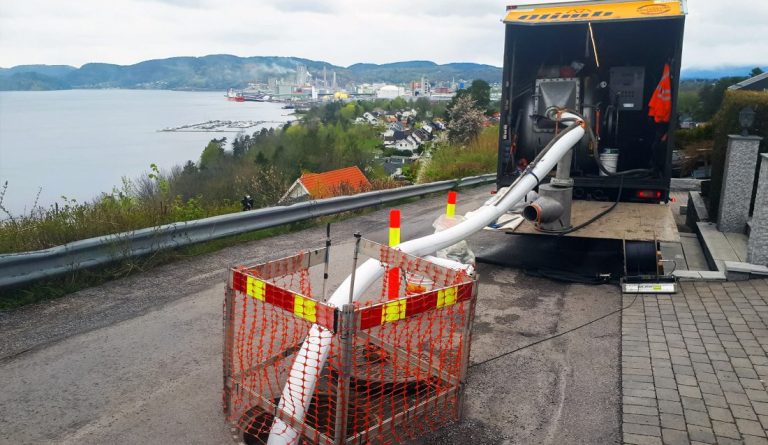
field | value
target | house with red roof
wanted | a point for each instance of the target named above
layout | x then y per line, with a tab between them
344	181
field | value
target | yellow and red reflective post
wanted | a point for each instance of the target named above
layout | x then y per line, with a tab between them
450	209
393	275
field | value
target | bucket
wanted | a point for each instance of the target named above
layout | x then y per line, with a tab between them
417	284
610	160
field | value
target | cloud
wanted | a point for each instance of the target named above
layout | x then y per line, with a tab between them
459	8
300	6
726	34
194	4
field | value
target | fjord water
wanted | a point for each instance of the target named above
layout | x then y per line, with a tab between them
79	143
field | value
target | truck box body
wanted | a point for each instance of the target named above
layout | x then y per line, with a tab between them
605	61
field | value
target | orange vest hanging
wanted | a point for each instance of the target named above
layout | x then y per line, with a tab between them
660	105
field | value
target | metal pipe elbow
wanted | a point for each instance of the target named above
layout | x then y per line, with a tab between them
543	210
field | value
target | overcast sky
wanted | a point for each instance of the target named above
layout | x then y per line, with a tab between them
342	32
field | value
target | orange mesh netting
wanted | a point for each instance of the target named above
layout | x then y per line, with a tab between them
396	373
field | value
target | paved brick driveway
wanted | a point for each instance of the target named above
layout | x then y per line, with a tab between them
695	365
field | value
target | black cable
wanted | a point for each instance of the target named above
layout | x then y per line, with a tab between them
621	309
591	220
569	277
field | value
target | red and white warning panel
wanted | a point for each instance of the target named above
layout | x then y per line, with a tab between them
396	363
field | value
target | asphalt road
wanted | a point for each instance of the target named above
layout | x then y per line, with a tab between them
138	360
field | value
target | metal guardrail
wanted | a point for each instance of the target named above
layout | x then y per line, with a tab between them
25	267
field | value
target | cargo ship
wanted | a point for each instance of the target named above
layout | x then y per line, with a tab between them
246	96
235	96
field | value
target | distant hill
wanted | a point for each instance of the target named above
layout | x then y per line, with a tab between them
31	81
717	73
46	70
400	72
221	71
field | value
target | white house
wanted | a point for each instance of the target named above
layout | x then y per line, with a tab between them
406	144
370	118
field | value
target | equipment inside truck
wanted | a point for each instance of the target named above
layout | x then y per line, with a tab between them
605	61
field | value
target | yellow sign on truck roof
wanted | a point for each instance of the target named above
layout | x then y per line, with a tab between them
594	11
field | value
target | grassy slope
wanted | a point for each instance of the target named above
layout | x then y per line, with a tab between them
449	162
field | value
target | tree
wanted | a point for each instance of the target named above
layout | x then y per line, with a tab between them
397	104
481	93
350	111
189	168
261	159
240	145
466	121
756	71
330	112
459	94
213	153
711	96
422	105
688	103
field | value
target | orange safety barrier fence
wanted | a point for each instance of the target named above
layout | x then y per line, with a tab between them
395	370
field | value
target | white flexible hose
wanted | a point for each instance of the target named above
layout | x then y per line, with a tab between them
297	393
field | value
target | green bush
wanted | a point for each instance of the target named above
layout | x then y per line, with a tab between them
687	136
726	122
